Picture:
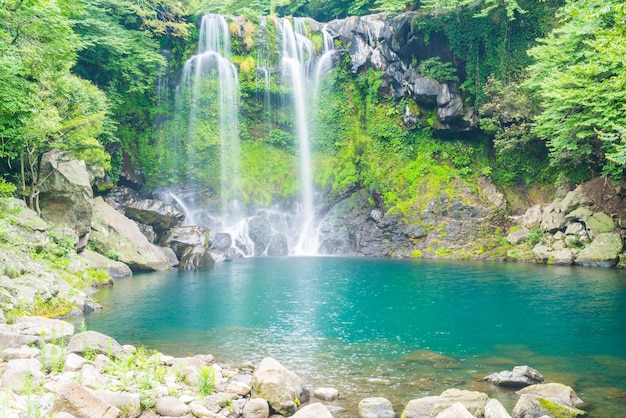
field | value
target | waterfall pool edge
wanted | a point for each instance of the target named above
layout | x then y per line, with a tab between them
401	329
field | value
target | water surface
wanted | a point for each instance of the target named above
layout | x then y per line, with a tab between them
395	328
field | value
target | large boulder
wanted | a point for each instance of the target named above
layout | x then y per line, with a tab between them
196	258
602	252
558	392
183	237
537	406
46	329
155	213
95	342
20	373
474	402
260	232
420	408
599	223
112	232
66	195
283	389
519	377
116	269
377	407
81	403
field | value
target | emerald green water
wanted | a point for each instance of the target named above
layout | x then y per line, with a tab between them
394	328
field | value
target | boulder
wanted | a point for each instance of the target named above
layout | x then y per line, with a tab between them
116	269
196	258
552	220
603	251
256	408
557	392
155	213
420	408
66	196
537	406
279	246
572	201
113	232
519	377
129	403
23	373
10	339
517	236
457	410
542	253
92	341
474	402
532	217
260	232
314	410
326	394
494	409
171	256
376	408
563	257
73	362
21	215
78	401
171	406
221	241
282	389
183	237
22	352
47	329
599	223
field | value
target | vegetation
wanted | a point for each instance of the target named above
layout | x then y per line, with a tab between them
81	76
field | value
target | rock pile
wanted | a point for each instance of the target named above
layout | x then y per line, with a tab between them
49	370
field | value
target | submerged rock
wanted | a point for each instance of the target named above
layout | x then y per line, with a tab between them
376	408
520	376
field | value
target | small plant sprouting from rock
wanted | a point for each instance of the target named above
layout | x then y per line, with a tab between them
206	381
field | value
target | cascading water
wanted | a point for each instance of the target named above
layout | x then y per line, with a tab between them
210	70
210	88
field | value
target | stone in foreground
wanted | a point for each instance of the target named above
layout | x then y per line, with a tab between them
78	401
519	377
282	389
376	408
314	410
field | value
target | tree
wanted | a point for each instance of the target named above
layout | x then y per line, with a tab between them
485	7
43	106
579	77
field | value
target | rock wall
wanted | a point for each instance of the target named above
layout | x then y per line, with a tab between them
393	45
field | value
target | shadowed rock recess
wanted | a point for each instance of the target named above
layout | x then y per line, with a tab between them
50	369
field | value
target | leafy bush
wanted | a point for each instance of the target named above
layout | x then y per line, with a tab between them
6	188
437	70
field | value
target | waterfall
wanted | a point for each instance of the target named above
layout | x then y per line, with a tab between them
212	72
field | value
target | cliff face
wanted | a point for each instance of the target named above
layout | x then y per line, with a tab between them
396	46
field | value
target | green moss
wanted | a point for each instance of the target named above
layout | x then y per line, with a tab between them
417	254
443	252
557	410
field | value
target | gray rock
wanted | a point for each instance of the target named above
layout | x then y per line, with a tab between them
542	253
113	232
494	409
116	269
155	213
196	258
562	257
48	329
260	232
14	340
326	394
66	195
21	352
238	388
21	215
557	392
572	201
95	342
279	246
457	410
222	241
171	256
73	363
602	252
552	221
532	217
599	223
78	401
519	377
474	402
171	406
256	408
129	403
314	410
376	408
282	389
536	406
21	373
183	237
517	236
420	408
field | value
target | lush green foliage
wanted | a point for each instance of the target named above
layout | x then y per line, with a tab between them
579	75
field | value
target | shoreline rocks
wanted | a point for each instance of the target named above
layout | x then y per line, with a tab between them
89	374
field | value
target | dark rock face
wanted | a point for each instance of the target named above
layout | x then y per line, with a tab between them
155	213
393	45
183	237
260	232
279	246
131	177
